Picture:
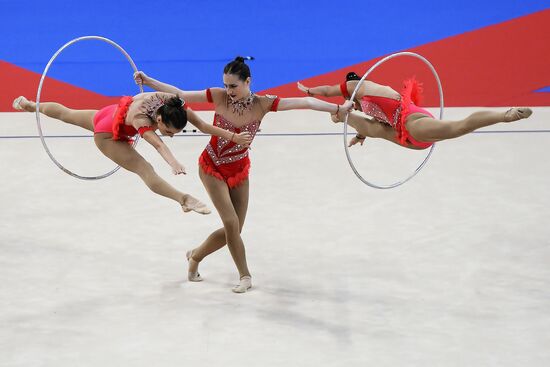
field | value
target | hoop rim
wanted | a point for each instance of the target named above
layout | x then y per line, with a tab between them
39	92
441	108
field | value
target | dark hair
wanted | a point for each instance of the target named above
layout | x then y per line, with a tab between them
238	67
172	113
352	76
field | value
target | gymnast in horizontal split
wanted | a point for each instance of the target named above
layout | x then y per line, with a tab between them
398	118
115	125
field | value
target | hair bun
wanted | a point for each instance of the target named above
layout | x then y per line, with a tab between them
242	58
174	102
352	76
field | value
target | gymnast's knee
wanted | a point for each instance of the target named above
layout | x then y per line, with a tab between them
231	224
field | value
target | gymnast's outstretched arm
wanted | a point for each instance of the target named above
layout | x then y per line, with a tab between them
189	96
321	90
313	104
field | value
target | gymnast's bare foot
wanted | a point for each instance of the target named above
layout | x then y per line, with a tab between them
514	114
189	203
23	104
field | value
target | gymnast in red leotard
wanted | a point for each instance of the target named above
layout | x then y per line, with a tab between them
115	125
398	118
224	166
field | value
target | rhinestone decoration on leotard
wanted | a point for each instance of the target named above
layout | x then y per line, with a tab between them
238	107
152	105
218	155
372	109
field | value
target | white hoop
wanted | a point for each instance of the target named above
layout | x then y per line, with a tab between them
440	89
40	91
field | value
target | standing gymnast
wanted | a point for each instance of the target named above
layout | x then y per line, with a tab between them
398	118
224	165
115	125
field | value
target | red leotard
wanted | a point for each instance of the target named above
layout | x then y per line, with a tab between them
395	112
224	159
111	119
